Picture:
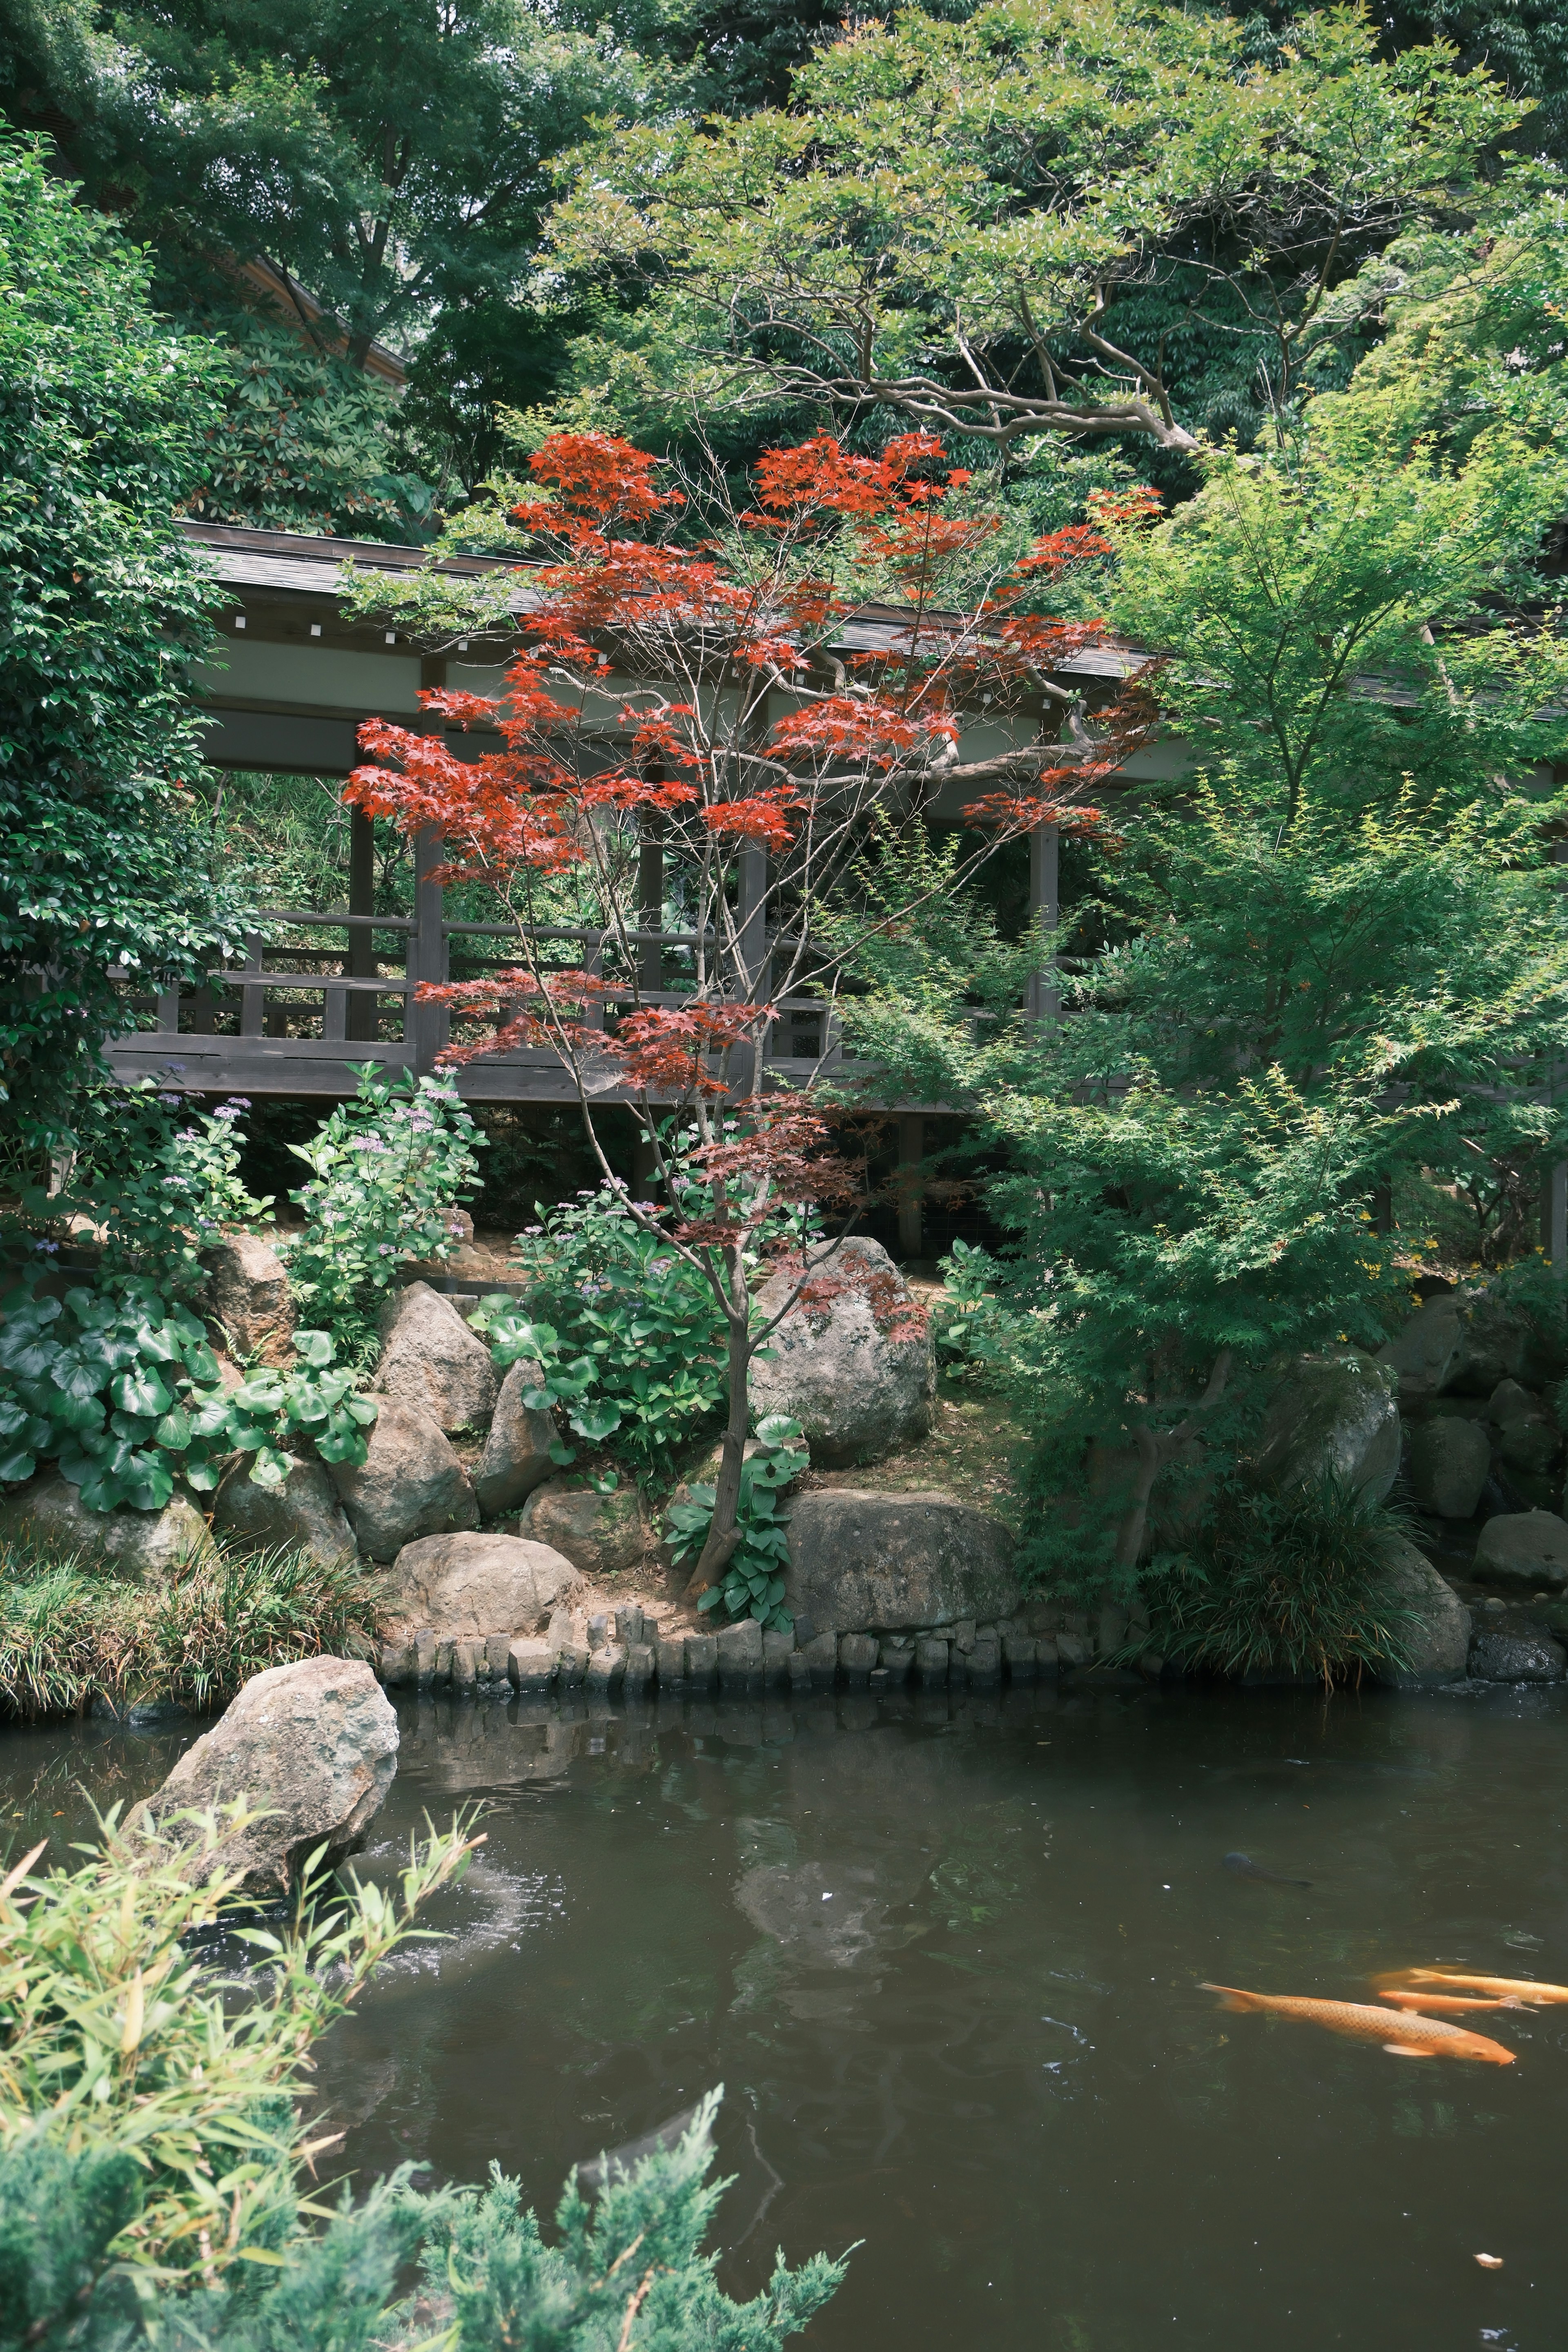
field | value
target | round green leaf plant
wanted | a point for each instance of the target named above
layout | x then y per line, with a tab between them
754	1581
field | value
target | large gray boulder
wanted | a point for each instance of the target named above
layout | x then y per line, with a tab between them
1462	1343
516	1458
1425	1352
863	1562
1499	1341
1334	1413
602	1535
248	1296
1524	1550
1437	1644
302	1515
854	1362
1529	1439
410	1483
49	1517
430	1359
1504	1653
311	1748
1451	1461
469	1587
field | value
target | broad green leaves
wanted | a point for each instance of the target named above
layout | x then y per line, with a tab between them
122	1394
387	1172
633	1348
753	1580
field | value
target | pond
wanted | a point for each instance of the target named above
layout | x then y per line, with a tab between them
944	1955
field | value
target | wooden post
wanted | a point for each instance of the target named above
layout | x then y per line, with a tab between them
753	943
427	1027
1554	1213
911	1152
650	904
360	963
252	998
1045	913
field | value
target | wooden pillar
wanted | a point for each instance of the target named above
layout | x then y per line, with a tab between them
1554	1213
1045	913
428	1026
753	941
650	904
911	1152
360	963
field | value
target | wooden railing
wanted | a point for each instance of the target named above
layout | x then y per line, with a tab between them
294	1016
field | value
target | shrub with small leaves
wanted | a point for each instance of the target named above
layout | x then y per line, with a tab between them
388	1171
753	1580
159	1179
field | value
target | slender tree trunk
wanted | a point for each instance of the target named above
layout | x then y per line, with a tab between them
724	1534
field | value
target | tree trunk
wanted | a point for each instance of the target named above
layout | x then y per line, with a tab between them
1156	1450
724	1534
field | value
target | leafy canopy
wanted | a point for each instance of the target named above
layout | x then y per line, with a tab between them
1046	215
103	414
1324	948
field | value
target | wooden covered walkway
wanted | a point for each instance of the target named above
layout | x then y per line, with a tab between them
321	989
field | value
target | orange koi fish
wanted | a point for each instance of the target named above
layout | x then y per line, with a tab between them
1522	1985
1446	2004
1402	2035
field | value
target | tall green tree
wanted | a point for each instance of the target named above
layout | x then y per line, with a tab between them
390	161
1100	219
104	414
1330	952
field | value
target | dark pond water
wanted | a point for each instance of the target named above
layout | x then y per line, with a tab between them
945	1959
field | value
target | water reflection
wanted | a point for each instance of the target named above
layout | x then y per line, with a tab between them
943	1954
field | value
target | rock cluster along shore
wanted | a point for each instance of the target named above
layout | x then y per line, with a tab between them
884	1589
610	1649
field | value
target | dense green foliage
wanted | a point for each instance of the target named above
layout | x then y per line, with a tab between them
629	1336
149	2110
304	441
1323	962
389	165
102	417
124	1393
69	1635
752	1584
158	1181
1064	216
387	1172
152	2181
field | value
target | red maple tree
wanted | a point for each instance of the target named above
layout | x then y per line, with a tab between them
725	701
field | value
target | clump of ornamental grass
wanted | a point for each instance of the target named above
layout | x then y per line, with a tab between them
225	1617
1292	1582
65	1636
69	1633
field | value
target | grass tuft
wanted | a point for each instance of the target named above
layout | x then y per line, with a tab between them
69	1635
1288	1584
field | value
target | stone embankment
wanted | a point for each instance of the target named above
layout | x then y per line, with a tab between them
504	1573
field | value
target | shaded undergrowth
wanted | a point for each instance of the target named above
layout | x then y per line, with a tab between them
1294	1583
